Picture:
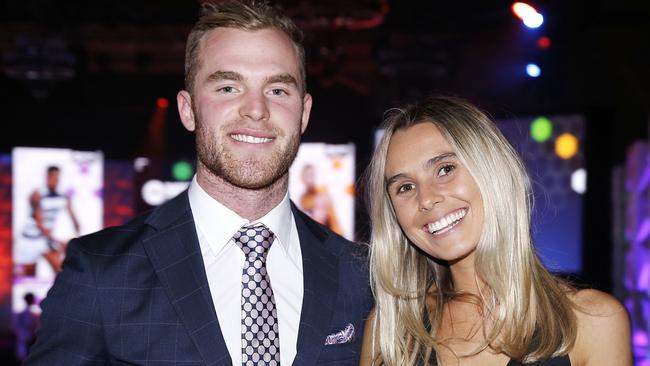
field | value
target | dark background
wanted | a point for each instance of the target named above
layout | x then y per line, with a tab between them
87	74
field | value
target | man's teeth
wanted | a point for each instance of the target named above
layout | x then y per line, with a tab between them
250	139
447	221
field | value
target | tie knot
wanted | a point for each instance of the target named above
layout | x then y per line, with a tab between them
254	241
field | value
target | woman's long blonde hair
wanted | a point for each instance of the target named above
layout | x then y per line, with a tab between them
523	299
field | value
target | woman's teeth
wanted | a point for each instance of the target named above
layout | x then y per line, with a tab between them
446	222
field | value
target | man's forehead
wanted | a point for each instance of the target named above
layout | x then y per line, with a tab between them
235	51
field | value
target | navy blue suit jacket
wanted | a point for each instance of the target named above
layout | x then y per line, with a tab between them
138	295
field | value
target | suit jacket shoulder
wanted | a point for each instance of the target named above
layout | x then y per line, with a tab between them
337	296
132	294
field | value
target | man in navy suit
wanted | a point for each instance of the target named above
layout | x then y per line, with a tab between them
176	286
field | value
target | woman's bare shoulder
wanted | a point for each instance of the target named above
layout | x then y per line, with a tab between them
603	330
597	303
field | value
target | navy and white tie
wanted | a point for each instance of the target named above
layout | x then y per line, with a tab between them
259	319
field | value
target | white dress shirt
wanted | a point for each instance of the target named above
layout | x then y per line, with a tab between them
224	261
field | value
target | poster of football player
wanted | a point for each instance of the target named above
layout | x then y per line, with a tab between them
56	196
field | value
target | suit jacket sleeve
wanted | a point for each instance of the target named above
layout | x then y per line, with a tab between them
71	330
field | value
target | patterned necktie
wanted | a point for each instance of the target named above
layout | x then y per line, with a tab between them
259	319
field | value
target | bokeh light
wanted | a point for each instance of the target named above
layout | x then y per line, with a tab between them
162	103
182	170
541	129
566	146
579	181
533	70
543	42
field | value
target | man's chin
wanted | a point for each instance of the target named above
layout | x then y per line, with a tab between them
249	172
255	183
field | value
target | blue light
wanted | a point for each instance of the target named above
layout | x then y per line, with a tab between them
533	70
533	20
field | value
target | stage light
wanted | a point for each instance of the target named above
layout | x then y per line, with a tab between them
534	21
643	232
640	338
533	70
543	42
566	146
162	103
528	14
522	10
182	170
541	129
579	181
140	163
154	192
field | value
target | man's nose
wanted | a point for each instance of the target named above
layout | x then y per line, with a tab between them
254	106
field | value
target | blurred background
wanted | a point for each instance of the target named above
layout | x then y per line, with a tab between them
90	86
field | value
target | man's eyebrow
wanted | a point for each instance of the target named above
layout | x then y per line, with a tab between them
283	79
225	75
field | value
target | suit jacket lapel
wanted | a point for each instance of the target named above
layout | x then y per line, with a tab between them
320	275
176	257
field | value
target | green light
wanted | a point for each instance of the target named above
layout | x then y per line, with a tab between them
541	129
182	170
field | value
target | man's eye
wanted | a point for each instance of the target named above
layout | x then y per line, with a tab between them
226	89
278	91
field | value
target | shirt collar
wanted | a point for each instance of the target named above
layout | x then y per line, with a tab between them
218	223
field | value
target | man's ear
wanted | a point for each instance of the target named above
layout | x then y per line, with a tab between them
306	110
185	111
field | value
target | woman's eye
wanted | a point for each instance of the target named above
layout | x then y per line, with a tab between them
446	169
404	188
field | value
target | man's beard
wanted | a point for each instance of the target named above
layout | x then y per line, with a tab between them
255	172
